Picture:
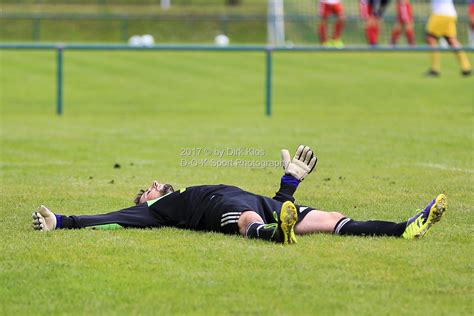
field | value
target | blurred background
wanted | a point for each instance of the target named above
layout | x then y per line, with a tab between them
190	21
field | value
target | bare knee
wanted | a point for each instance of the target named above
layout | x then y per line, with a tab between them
336	216
318	222
246	218
332	219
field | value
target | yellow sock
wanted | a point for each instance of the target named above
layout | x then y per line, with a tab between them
463	61
435	61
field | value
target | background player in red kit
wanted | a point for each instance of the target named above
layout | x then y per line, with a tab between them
326	9
471	21
404	23
372	12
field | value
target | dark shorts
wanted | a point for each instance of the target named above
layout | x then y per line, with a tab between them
224	215
377	7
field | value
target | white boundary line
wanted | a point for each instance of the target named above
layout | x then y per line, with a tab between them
444	167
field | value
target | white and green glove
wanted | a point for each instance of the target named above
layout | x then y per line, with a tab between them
302	163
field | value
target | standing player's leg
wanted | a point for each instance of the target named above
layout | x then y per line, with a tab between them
405	17
138	216
377	9
410	33
365	12
435	69
404	23
460	55
323	22
398	25
471	23
322	30
374	20
338	11
372	30
433	31
396	31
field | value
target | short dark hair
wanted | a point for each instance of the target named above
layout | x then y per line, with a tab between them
137	198
168	189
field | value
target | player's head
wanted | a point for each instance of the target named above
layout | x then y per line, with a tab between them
156	190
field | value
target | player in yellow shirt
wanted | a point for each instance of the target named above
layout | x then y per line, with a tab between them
442	23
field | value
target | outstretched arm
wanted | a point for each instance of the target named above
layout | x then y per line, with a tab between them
288	186
296	170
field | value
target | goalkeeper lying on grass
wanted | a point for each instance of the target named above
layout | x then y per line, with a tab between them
231	210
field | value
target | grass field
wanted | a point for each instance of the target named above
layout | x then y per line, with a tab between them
388	140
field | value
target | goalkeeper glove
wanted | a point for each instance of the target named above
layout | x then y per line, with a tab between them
302	164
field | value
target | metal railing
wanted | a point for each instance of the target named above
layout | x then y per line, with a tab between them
37	19
222	23
267	50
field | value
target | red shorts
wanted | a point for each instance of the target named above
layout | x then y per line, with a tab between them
471	9
326	9
404	13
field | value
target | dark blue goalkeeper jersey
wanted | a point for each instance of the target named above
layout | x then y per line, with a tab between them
209	207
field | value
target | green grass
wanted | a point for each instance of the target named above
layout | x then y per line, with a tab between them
388	140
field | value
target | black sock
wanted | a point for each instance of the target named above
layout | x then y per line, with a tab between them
262	231
347	226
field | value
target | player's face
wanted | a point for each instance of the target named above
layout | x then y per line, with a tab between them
155	191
